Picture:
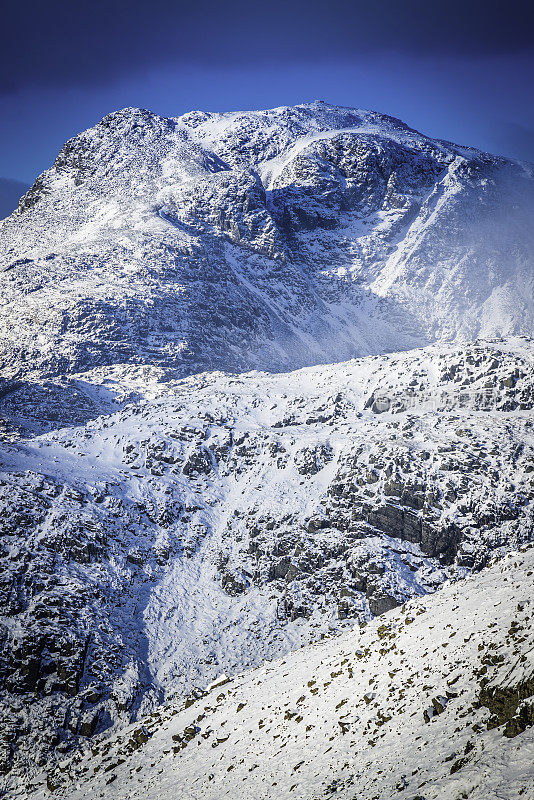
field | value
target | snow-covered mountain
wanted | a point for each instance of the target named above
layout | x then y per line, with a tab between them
169	514
270	239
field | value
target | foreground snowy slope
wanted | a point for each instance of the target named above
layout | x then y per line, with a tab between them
432	701
270	239
229	519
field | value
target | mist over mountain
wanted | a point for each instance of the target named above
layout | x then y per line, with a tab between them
264	376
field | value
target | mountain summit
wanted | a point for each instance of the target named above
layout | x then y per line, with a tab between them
266	239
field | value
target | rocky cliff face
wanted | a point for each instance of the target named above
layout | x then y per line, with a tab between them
161	524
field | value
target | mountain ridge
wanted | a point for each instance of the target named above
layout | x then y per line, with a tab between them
158	240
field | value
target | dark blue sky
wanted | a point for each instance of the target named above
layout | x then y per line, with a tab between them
458	70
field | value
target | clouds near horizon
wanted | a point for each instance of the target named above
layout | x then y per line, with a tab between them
61	43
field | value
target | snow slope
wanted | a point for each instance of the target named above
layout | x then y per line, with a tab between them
432	701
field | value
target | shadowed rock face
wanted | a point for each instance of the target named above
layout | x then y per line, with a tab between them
269	239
